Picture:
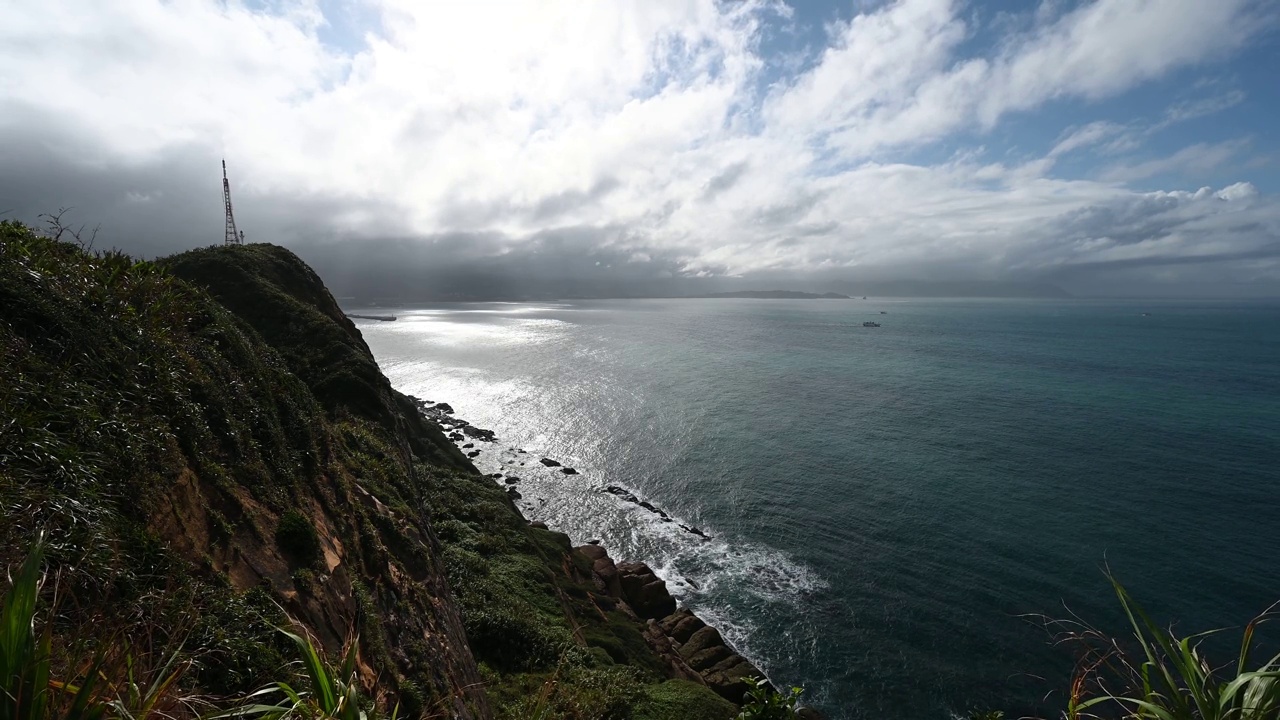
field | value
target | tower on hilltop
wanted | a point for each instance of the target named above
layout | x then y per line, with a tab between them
233	237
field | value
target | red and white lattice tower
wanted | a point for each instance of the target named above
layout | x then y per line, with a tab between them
233	237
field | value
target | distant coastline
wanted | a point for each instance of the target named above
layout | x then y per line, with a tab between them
775	295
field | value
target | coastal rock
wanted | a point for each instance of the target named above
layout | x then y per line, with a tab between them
682	624
663	646
568	471
644	591
455	436
443	407
479	433
537	523
696	531
549	462
704	649
469	445
512	480
473	453
603	567
514	494
622	493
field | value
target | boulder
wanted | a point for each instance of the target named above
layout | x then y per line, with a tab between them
549	462
623	493
682	624
444	408
644	591
568	471
479	433
603	568
471	445
473	453
512	480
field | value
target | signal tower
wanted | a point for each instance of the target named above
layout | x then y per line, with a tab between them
233	237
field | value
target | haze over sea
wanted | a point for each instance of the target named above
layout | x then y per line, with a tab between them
884	503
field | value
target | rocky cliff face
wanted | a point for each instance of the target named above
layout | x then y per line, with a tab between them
206	437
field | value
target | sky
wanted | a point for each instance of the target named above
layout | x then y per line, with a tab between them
456	149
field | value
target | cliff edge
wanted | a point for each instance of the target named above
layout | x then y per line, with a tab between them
207	444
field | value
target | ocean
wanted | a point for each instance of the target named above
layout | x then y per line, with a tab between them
888	509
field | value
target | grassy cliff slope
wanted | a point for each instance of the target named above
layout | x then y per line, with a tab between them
207	444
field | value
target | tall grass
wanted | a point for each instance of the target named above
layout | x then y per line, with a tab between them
115	681
1166	677
331	692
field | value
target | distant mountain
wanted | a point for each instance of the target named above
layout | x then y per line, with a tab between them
776	295
952	288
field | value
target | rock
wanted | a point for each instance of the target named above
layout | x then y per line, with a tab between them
537	523
549	462
622	493
479	433
473	453
512	480
703	648
804	712
603	568
681	625
644	591
728	682
568	471
455	436
593	542
708	658
496	476
514	494
443	407
663	648
704	638
469	445
696	531
522	452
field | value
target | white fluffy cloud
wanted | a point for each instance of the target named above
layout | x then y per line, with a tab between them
646	122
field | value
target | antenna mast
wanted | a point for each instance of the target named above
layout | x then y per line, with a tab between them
233	237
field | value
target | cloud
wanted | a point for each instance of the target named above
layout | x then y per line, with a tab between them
656	138
1195	159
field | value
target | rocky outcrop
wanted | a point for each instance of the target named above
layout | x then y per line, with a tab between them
479	433
644	591
691	649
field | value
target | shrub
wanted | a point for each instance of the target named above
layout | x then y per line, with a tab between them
297	537
765	703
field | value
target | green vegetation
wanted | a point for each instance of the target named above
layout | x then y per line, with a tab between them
199	437
1167	677
297	537
548	642
765	703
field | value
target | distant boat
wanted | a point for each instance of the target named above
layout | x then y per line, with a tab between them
884	312
864	297
870	324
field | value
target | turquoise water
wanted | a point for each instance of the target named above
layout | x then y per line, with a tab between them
885	503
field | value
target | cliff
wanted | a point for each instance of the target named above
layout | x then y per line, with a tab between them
207	444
